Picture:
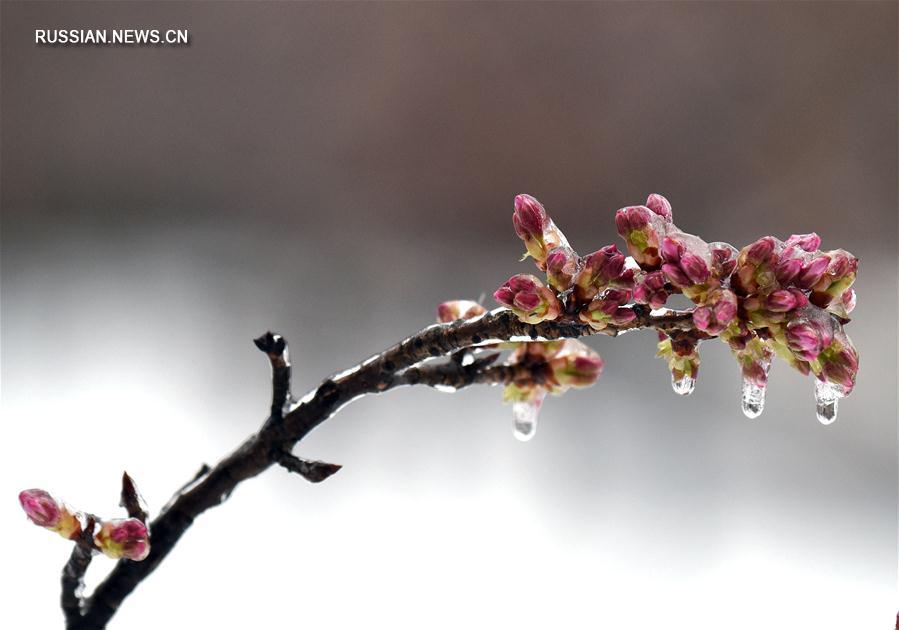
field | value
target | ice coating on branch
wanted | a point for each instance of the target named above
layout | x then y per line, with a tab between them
44	510
452	310
123	538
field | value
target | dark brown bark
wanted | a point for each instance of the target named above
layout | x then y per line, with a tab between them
273	443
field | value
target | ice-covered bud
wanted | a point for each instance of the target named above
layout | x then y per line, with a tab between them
529	299
458	309
650	289
838	363
642	229
812	271
695	267
805	242
575	365
43	509
784	300
536	229
787	269
807	339
724	258
561	266
846	304
685	265
608	310
716	314
682	357
599	270
756	263
658	204
123	538
836	280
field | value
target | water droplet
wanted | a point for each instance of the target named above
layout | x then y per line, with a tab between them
524	416
753	399
826	401
684	385
446	389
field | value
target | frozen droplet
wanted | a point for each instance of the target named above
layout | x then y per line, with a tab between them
753	399
467	358
826	400
683	385
524	416
446	389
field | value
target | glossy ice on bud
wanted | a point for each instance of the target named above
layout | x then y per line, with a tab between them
643	230
658	204
599	270
524	418
787	269
718	311
724	258
812	271
838	278
452	310
784	300
536	229
529	299
683	362
608	309
123	538
755	269
805	242
650	289
827	399
44	510
807	338
561	266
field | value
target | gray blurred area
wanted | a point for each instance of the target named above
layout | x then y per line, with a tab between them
332	172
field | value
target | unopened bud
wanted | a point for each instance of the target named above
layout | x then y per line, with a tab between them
658	204
458	309
529	299
44	510
123	538
561	266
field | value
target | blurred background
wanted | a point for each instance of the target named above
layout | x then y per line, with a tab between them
332	172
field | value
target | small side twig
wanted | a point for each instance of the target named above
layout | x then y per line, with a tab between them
313	471
275	347
131	500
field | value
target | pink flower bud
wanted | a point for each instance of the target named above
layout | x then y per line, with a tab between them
724	258
561	266
123	538
575	365
642	229
807	339
760	251
44	510
838	278
658	204
756	263
598	271
651	290
719	310
694	267
529	217
812	271
608	310
458	309
805	242
784	300
848	300
675	275
838	363
671	249
536	229
529	299
787	269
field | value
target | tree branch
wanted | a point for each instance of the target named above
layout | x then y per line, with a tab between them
396	366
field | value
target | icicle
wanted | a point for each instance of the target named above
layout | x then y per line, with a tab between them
826	398
683	385
753	401
524	416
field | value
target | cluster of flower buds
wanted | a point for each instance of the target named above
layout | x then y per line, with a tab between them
772	297
116	538
551	367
